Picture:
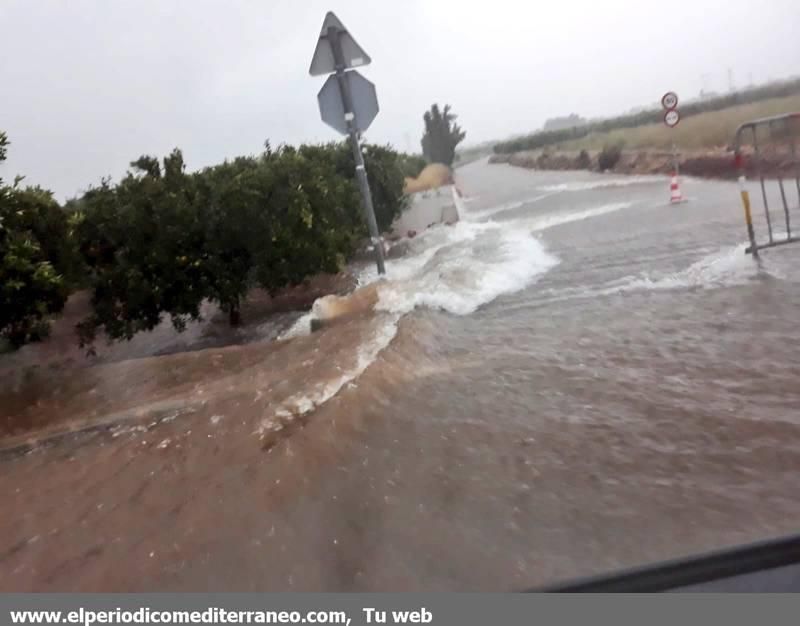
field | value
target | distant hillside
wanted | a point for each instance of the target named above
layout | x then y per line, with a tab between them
705	130
651	116
560	123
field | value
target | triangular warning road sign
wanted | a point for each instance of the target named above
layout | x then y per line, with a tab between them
352	54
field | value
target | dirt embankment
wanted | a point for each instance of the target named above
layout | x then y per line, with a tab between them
712	163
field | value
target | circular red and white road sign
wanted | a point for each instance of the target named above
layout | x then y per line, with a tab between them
670	100
672	117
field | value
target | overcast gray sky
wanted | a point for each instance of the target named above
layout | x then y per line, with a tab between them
88	85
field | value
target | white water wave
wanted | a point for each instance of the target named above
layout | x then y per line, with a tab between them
727	267
301	327
308	400
543	222
462	267
602	183
508	206
489	260
455	268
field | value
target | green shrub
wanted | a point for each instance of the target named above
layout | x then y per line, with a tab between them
162	241
609	156
144	244
386	180
385	172
34	247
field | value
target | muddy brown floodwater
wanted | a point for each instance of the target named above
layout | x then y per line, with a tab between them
577	377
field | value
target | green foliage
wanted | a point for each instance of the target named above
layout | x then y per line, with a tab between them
162	241
143	243
386	178
441	136
609	156
33	232
547	138
309	217
228	213
385	170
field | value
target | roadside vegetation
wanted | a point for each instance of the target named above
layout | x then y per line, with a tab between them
442	135
36	259
706	130
609	156
162	240
706	123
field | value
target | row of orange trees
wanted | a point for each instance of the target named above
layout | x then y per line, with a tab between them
162	240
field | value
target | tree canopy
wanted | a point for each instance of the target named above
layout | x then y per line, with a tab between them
161	241
441	136
34	255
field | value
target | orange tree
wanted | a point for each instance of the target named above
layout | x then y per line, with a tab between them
143	244
162	240
34	256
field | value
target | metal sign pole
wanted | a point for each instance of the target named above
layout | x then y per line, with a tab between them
675	164
672	118
361	172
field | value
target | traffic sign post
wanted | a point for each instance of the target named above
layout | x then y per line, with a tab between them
670	100
672	118
362	94
324	59
348	103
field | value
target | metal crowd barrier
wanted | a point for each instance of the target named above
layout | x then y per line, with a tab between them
782	134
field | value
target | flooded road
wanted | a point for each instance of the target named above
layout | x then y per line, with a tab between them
575	378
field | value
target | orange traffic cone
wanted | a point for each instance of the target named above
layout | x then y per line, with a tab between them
675	195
